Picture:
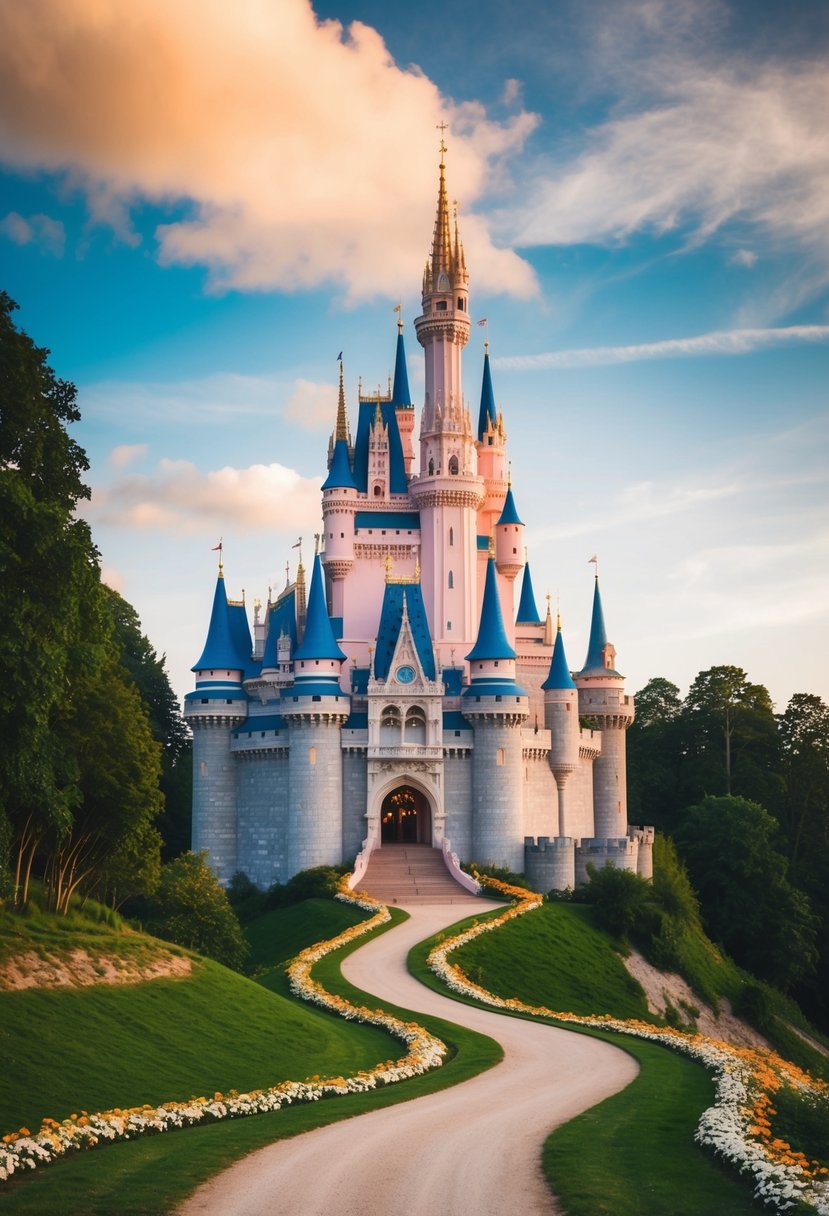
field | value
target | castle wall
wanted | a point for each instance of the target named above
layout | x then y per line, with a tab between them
457	785
609	786
540	797
215	793
355	797
263	815
315	817
622	853
579	797
550	865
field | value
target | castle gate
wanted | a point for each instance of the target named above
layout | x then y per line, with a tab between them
405	817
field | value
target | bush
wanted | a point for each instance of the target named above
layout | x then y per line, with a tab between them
619	898
192	909
245	897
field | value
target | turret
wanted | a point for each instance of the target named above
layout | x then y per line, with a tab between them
339	504
509	540
401	399
497	708
561	718
315	707
218	704
603	703
527	609
491	443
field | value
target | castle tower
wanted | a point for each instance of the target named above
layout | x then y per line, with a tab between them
497	709
218	704
603	703
561	719
447	491
315	707
339	504
527	608
509	554
401	399
492	453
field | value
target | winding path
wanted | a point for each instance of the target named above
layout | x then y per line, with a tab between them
472	1150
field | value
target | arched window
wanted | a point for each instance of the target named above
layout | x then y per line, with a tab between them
390	726
450	582
451	536
378	490
453	465
415	731
431	467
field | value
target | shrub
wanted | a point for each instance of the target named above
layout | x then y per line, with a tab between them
192	909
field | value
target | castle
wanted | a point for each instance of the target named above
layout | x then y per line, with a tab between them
403	697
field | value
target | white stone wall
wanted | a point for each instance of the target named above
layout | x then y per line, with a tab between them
315	819
263	816
497	794
355	794
215	795
540	798
457	785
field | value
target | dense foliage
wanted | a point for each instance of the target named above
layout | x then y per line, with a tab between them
744	792
192	909
89	729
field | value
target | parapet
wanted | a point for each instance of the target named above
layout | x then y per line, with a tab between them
549	863
618	851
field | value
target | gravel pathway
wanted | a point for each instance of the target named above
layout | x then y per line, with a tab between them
473	1150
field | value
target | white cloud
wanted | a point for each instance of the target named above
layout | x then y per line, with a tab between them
312	405
181	499
743	257
41	230
126	453
208	400
723	342
297	150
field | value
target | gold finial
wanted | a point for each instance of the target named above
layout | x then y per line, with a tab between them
341	431
509	474
442	127
220	550
398	308
317	539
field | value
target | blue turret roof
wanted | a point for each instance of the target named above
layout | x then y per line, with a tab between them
391	619
340	475
492	642
397	469
527	610
224	647
400	394
282	619
509	514
318	641
559	676
487	413
598	638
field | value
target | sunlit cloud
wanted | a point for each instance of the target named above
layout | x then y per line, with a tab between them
127	453
724	342
263	134
312	405
41	230
180	498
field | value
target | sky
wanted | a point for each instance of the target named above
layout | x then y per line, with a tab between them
202	203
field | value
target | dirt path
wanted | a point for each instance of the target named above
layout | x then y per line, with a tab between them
473	1150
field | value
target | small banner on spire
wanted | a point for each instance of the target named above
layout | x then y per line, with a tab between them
483	321
340	357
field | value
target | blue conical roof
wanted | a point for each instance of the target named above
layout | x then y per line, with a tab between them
223	638
492	642
487	412
340	475
509	514
527	610
598	636
559	676
318	641
400	394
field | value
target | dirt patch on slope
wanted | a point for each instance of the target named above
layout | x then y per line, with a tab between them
80	969
663	988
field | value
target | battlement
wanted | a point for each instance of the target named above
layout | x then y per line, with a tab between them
644	837
618	851
549	863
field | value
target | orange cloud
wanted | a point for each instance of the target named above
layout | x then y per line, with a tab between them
299	150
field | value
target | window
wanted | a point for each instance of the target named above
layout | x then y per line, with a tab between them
312	756
450	581
501	756
442	306
460	303
377	491
415	731
453	465
316	698
390	726
431	469
451	536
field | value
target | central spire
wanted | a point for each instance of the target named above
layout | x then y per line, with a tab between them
441	242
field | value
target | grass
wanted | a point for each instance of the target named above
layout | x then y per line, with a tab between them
154	1174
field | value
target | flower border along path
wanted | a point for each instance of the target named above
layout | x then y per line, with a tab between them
737	1126
21	1150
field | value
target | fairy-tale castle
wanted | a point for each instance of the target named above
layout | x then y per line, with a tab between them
405	697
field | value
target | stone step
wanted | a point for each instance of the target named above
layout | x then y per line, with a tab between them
411	874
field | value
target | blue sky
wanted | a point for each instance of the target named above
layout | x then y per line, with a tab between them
203	203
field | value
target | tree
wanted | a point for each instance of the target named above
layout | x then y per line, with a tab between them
731	848
191	908
655	753
730	737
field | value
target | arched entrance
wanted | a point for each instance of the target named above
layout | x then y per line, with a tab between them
405	817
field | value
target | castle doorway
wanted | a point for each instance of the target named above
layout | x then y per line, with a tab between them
405	817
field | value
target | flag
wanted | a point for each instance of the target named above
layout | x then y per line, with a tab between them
593	559
217	548
397	308
339	360
482	321
298	544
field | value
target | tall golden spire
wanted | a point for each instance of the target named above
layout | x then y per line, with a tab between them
341	430
442	241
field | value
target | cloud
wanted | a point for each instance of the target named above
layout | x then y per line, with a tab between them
41	230
313	406
126	453
208	400
724	342
179	498
291	152
743	257
697	141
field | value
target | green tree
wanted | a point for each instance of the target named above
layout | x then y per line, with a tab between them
732	849
655	754
192	909
730	738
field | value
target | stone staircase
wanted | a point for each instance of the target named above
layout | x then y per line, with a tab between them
412	874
